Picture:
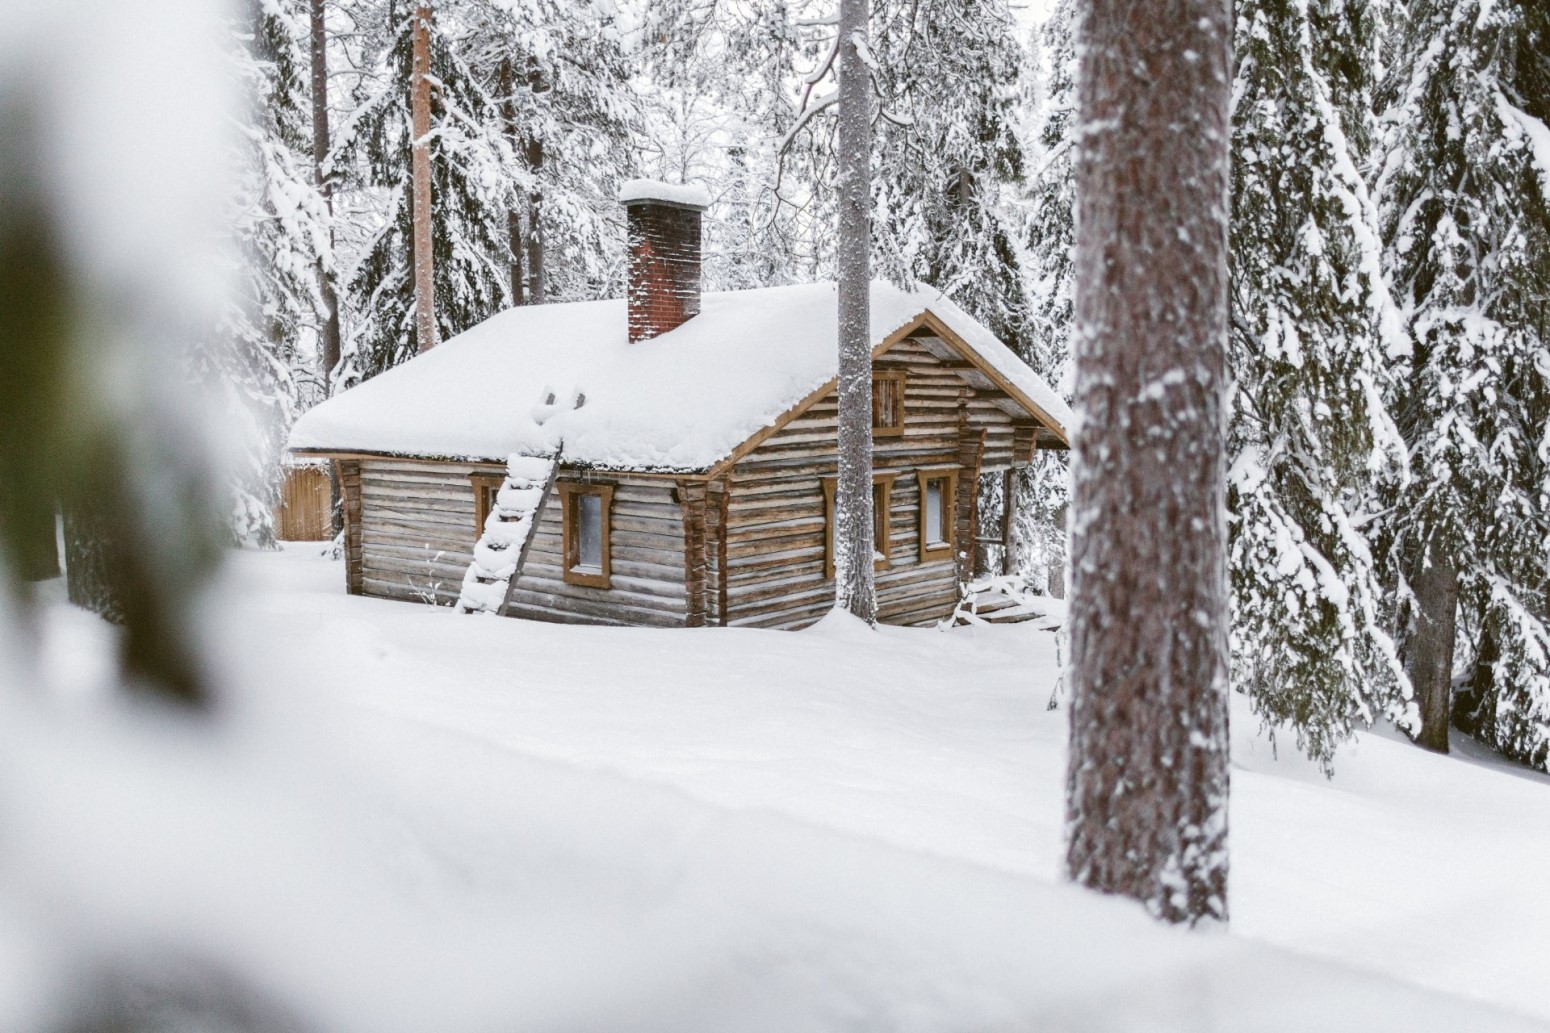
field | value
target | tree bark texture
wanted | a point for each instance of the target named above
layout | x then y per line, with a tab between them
508	85
331	337
535	234
1008	522
854	536
420	115
1430	656
329	353
1147	782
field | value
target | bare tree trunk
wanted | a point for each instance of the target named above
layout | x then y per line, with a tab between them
320	145
1146	806
1008	522
328	354
854	535
535	233
420	104
1430	656
508	85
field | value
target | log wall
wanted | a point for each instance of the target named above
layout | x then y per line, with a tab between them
775	517
648	561
745	548
417	528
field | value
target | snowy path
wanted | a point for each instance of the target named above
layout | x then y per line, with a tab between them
828	830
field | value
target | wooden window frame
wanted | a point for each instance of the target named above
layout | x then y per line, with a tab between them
882	530
482	483
934	553
902	379
570	491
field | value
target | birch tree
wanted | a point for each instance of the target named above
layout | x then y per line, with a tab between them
1146	811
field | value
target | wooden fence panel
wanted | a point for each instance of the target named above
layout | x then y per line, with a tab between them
302	513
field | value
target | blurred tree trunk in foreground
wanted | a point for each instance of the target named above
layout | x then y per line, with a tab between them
1146	805
142	530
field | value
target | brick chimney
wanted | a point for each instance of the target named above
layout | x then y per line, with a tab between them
663	220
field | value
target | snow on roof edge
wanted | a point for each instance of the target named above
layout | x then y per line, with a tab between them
978	337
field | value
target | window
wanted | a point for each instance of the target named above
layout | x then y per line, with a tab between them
938	492
888	403
882	497
587	521
486	487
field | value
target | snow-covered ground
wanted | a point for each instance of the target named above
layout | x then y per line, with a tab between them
412	820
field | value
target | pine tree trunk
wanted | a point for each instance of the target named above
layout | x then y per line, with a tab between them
1430	656
420	104
508	85
854	535
1146	806
535	235
1008	522
329	355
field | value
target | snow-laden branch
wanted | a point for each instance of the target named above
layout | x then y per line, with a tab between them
823	104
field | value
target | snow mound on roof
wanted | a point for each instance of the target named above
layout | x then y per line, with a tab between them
672	193
539	379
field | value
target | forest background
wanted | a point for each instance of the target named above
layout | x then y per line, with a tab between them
1389	486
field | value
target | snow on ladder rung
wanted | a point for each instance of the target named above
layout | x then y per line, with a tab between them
512	522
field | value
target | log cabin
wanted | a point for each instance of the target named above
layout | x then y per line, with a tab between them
669	458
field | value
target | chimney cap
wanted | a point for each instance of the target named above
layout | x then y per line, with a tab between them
676	195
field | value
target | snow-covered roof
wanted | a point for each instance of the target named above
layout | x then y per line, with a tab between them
534	378
682	194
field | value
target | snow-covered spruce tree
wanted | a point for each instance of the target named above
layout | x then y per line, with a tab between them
282	239
473	186
1465	187
1313	334
1042	490
561	79
945	174
1146	802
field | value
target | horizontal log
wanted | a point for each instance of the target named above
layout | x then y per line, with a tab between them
529	611
380	546
438	494
627	590
393	589
758	549
563	606
401	513
626	566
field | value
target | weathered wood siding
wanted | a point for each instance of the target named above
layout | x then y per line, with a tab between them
648	562
417	528
775	520
302	512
